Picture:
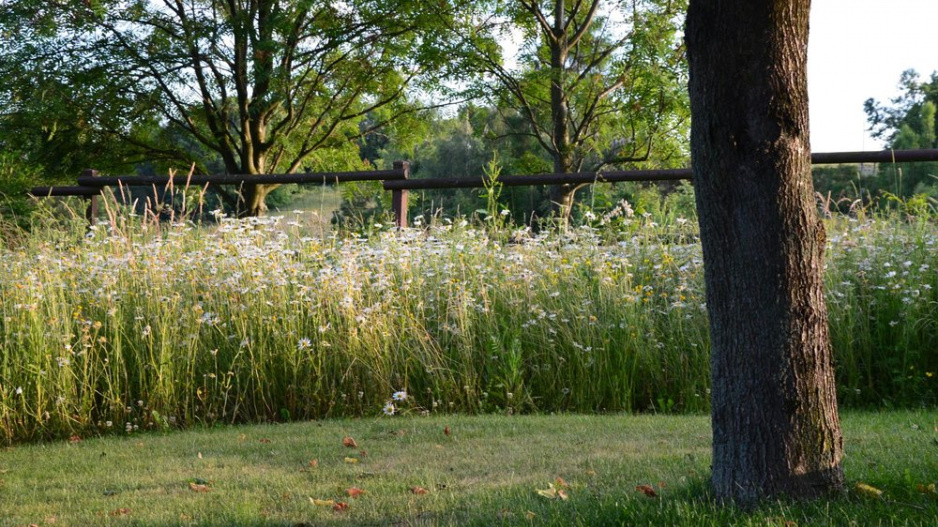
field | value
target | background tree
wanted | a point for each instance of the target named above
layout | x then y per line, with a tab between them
776	429
262	84
908	123
596	83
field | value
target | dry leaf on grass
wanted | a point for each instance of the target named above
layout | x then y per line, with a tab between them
552	493
198	487
119	512
647	490
348	442
354	492
340	506
418	490
265	440
351	460
446	431
868	491
313	463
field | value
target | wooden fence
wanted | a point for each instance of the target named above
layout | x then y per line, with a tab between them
397	180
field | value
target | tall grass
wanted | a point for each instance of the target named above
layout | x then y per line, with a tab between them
135	325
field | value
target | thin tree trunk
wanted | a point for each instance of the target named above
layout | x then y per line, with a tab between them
776	430
561	196
255	199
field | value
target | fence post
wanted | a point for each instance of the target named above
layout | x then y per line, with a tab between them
91	213
399	197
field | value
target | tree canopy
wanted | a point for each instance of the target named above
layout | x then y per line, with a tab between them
593	84
259	85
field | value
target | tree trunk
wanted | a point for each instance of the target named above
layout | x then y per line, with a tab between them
561	196
255	199
775	425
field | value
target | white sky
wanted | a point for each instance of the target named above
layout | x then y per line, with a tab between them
856	50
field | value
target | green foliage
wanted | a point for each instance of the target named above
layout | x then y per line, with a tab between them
908	122
16	178
247	88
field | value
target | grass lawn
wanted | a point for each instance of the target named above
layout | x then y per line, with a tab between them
486	471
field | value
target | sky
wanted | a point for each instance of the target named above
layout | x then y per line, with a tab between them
857	49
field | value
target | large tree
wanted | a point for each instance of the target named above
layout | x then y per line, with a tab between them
776	429
595	83
262	84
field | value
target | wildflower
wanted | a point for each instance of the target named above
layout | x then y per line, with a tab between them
146	331
303	344
19	390
388	409
399	396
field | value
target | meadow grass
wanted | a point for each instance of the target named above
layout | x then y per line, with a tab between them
487	471
137	325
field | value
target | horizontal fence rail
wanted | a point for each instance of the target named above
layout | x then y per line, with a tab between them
398	182
44	192
324	178
619	176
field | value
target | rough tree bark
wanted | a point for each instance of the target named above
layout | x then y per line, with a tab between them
776	430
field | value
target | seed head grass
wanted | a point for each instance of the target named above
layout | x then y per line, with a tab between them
137	326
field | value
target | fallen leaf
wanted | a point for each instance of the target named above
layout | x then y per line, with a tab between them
75	439
265	440
552	492
926	489
348	442
561	483
119	512
197	487
420	491
364	453
868	491
200	455
351	460
322	503
340	506
446	431
647	490
662	484
313	463
590	472
530	515
354	492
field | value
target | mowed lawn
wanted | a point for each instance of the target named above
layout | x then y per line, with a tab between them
449	470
